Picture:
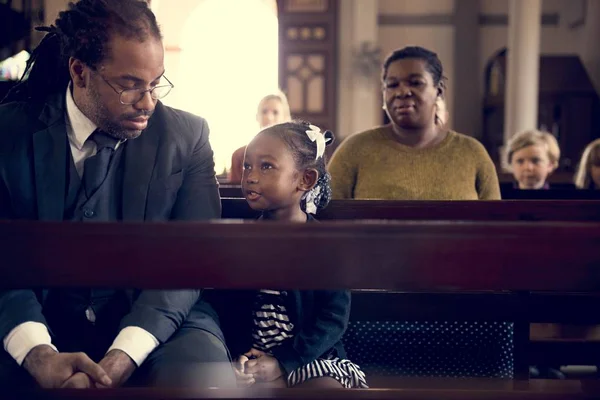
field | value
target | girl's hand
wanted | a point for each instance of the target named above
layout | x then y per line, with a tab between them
243	379
264	368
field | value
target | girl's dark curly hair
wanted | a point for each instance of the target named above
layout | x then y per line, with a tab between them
304	151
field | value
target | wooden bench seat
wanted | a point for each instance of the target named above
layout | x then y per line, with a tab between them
407	256
551	194
440	271
516	210
405	389
557	192
531	347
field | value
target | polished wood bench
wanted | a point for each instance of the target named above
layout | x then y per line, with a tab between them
547	344
405	389
551	194
515	210
561	192
438	270
406	256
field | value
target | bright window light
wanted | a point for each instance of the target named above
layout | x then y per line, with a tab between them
229	61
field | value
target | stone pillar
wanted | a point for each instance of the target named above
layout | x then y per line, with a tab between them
522	89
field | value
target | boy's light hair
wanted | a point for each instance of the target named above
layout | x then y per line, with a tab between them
277	95
591	156
534	138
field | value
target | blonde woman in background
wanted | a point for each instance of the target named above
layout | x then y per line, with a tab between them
588	171
272	109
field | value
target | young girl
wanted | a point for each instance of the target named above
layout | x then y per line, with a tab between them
588	172
289	338
533	156
272	109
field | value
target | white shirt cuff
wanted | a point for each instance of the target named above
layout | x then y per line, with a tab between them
24	337
136	342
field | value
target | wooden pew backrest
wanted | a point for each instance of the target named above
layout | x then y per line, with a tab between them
516	210
406	389
409	256
557	192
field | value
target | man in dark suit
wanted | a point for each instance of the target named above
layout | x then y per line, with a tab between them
85	138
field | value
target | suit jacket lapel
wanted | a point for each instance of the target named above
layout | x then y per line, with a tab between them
140	157
50	156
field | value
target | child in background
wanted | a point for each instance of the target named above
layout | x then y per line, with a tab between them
588	171
533	156
289	338
272	109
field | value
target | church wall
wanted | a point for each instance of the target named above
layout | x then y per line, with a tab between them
429	23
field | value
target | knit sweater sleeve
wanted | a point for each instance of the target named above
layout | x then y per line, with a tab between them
486	183
343	168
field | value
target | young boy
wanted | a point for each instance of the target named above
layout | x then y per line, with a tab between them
533	156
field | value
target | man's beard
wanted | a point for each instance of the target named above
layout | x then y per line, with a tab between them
98	113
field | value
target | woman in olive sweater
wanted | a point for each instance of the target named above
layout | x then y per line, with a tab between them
414	157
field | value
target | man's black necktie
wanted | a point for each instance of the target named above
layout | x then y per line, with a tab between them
95	168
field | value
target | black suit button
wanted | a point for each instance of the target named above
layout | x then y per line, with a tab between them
88	213
90	314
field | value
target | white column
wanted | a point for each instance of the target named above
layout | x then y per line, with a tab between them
359	102
589	46
522	81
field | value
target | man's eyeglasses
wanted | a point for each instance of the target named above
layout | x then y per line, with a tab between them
132	96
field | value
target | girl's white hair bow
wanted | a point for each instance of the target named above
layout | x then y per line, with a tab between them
314	133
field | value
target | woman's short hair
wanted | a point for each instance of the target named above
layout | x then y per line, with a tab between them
431	59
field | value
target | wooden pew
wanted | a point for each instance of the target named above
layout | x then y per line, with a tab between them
516	210
525	309
406	389
228	190
431	259
413	256
546	347
557	192
551	194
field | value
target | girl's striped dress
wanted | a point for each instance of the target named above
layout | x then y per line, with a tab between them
272	326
